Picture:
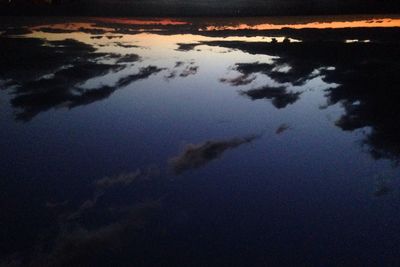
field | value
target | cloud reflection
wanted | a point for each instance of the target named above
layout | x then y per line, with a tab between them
53	72
363	75
279	96
240	80
197	155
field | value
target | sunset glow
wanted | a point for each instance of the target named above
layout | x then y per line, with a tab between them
373	23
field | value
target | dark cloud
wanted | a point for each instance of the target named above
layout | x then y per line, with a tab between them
110	37
95	94
90	96
382	189
96	242
178	64
196	156
105	244
171	75
282	128
125	179
279	96
57	30
143	73
40	95
186	47
189	70
125	45
240	80
102	186
85	238
48	74
128	58
365	74
383	185
27	59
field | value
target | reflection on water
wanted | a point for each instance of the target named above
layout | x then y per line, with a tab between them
200	142
353	23
195	156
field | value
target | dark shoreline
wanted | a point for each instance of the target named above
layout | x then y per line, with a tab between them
190	10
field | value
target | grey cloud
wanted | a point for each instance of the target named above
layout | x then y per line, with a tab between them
282	128
81	246
125	179
124	45
143	73
240	80
186	47
120	180
197	155
279	96
189	70
178	64
128	58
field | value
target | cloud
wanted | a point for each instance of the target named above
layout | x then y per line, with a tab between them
40	95
189	70
239	80
279	95
67	30
178	64
125	179
197	155
80	246
171	75
384	185
128	58
54	70
282	128
121	225
123	45
143	73
121	180
186	47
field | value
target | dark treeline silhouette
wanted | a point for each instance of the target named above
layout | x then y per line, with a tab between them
195	8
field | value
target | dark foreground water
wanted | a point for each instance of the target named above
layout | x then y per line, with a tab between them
200	142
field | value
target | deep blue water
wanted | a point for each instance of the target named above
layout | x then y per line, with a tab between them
132	144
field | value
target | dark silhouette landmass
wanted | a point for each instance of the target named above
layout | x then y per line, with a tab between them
195	8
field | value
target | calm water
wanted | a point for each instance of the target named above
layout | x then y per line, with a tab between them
200	142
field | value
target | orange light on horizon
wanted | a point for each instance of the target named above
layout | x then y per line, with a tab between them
373	23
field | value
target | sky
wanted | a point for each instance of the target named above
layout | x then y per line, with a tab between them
199	7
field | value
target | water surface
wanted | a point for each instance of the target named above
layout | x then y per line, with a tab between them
200	142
